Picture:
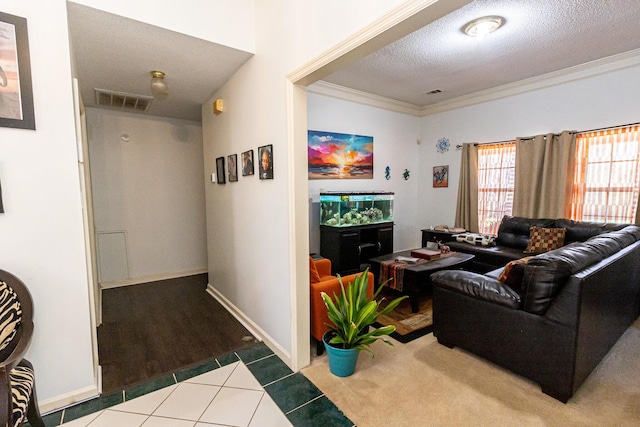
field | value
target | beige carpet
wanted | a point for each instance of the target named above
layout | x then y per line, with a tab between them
423	383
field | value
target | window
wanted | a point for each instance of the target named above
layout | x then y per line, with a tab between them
607	176
496	174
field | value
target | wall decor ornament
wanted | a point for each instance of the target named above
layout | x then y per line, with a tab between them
265	154
247	163
232	163
405	174
443	145
220	178
441	176
387	173
339	156
16	92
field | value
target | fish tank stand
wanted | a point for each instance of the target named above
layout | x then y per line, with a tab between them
355	227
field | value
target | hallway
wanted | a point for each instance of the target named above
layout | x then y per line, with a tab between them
153	329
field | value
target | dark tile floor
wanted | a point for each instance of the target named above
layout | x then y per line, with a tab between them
298	399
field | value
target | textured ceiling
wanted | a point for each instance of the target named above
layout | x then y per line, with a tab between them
117	54
538	37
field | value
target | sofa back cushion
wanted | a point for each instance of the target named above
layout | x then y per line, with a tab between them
514	231
546	274
579	231
314	275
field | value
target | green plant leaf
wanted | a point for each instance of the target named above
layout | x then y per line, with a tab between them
352	313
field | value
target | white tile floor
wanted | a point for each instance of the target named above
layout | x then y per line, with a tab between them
229	396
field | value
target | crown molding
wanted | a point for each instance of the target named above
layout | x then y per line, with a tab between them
347	94
578	72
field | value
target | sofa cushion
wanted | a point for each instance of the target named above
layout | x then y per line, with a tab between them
579	231
543	239
477	286
494	256
546	274
623	238
314	276
513	273
514	231
634	230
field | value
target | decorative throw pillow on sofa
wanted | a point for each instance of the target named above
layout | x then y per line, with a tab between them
314	276
513	273
544	239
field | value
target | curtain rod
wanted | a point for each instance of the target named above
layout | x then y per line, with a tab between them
459	146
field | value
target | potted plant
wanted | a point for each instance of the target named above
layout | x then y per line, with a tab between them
352	313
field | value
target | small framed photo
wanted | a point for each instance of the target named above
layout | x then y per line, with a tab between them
265	155
16	92
247	163
441	176
232	163
220	178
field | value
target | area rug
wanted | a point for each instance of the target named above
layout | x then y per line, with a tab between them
409	326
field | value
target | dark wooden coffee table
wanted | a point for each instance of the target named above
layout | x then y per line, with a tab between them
416	277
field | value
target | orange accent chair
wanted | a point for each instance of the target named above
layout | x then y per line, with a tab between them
322	281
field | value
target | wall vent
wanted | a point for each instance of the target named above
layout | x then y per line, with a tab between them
433	92
122	100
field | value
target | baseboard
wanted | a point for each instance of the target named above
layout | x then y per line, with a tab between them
59	402
250	325
150	278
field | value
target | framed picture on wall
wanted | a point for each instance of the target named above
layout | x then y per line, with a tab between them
247	163
441	176
16	92
265	154
334	155
232	163
220	178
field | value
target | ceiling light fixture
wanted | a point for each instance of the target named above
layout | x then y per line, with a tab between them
482	26
159	87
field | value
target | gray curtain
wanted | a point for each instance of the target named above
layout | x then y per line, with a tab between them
467	206
544	175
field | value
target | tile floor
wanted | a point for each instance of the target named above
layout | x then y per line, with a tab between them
249	388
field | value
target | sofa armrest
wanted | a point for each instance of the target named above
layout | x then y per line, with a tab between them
323	266
477	286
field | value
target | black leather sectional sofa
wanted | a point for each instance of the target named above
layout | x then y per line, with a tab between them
513	236
556	324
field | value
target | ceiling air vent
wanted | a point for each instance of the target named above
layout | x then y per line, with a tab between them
125	101
433	92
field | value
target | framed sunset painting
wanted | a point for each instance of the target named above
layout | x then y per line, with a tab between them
339	156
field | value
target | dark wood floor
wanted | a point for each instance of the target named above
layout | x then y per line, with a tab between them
153	329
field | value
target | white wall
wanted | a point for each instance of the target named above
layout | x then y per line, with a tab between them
226	22
395	145
248	222
608	99
42	229
150	187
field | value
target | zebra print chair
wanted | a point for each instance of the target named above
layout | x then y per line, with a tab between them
17	380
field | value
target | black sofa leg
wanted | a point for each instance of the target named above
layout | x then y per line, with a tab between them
562	397
444	343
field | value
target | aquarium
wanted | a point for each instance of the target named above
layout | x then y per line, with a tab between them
345	209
